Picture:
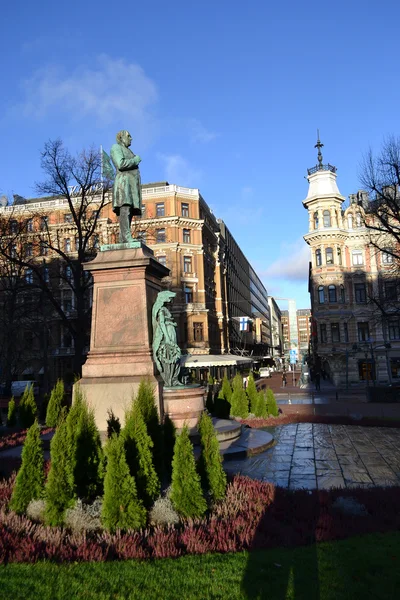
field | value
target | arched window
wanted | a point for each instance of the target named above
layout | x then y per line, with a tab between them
332	293
327	218
342	299
357	257
329	256
339	256
318	258
321	294
315	220
358	220
350	221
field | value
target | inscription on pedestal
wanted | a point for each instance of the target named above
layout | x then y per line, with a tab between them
120	317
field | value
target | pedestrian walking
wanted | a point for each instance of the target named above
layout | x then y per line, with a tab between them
318	381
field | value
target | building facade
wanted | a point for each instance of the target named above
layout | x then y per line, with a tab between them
296	332
216	288
350	339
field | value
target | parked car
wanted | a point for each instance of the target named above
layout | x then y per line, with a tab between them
265	372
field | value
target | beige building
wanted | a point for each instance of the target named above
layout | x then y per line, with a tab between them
350	339
215	285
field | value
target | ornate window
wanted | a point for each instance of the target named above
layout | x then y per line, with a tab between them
29	225
360	293
316	220
329	256
387	257
67	245
160	236
335	332
184	209
358	220
44	223
391	291
332	293
162	259
43	248
187	264
350	221
198	332
342	296
327	218
160	209
68	218
186	236
363	331
29	276
339	256
394	329
188	293
321	294
357	257
318	258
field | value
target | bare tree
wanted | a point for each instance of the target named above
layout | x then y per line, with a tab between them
380	177
77	183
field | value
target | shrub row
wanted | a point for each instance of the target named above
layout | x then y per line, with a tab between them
253	515
235	401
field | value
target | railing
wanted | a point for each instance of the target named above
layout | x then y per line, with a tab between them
170	189
327	167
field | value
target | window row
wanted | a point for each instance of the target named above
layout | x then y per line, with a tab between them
329	257
337	294
160	209
363	334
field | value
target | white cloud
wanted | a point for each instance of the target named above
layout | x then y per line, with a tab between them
293	263
179	171
199	133
110	90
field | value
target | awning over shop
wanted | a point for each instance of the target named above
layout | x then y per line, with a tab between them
192	361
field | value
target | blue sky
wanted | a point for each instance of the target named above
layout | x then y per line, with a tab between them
219	95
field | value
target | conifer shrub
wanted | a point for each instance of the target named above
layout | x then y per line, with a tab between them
29	483
146	402
252	394
12	413
226	389
239	401
272	406
27	407
261	406
113	423
210	400
169	437
55	404
121	507
138	448
72	422
88	460
186	493
59	491
210	379
212	474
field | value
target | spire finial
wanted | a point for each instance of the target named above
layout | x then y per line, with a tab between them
319	146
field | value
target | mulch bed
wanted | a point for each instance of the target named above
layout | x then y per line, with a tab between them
254	515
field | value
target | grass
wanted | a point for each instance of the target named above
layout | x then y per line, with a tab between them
366	567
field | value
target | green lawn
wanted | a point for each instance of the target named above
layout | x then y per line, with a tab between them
365	567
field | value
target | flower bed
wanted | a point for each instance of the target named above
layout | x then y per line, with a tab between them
17	438
253	515
286	419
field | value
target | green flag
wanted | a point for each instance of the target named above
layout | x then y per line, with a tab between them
107	168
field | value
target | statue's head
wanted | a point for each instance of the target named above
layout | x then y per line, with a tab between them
124	138
166	296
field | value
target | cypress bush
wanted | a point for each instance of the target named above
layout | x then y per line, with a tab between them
210	400
55	404
212	474
12	413
186	494
252	394
272	406
121	507
59	492
239	401
261	405
222	402
72	423
169	437
226	389
88	461
29	483
113	424
146	402
139	456
27	407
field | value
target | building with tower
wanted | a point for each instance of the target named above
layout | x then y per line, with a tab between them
350	338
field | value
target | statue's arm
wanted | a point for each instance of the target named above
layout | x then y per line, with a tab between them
162	325
121	163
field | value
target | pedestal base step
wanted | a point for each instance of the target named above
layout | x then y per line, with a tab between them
251	441
227	429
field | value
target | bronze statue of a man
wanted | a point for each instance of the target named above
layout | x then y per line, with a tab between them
127	192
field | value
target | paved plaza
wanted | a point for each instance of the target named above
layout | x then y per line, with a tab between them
325	456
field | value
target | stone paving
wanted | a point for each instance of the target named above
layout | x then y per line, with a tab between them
325	456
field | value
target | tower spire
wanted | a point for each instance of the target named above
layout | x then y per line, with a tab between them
319	146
